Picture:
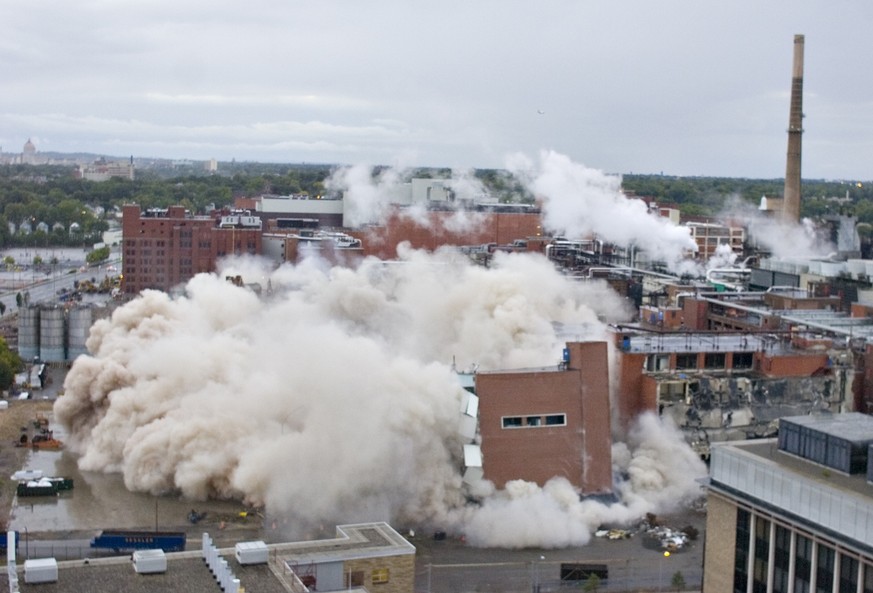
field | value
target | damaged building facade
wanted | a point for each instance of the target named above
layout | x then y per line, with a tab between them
719	386
726	366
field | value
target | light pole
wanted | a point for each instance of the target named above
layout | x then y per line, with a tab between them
661	569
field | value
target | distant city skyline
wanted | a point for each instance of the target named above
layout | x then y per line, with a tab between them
675	87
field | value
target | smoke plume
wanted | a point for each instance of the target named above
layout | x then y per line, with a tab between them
579	202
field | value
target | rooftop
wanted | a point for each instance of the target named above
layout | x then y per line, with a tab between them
702	342
819	498
187	571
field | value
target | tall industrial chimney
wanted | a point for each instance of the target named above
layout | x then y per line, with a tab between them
791	195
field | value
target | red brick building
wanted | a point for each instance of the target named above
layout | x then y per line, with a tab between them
538	424
448	227
163	248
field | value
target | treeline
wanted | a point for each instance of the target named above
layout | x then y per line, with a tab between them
708	196
49	201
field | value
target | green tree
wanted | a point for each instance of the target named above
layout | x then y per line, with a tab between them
98	255
678	581
592	584
10	362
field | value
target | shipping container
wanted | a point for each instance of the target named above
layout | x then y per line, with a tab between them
168	541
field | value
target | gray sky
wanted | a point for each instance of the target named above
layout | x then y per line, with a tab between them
637	86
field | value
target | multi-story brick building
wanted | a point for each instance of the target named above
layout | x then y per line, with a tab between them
536	424
163	248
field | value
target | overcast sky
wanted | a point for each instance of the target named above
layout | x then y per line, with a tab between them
640	86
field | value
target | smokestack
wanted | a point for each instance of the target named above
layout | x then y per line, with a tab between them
791	194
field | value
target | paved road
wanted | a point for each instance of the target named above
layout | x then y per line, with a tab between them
451	567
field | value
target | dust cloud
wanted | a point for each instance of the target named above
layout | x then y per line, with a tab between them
333	396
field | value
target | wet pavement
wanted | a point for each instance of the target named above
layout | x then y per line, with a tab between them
101	501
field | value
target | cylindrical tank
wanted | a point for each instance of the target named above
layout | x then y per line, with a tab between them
78	329
51	335
28	333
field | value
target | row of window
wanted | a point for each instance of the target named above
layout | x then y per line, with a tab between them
820	567
690	361
534	421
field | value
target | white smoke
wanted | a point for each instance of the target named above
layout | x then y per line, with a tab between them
370	198
580	202
367	198
781	238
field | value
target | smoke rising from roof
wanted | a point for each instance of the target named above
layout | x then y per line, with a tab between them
579	202
782	239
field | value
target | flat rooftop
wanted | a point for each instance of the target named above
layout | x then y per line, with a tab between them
819	498
703	342
850	426
188	572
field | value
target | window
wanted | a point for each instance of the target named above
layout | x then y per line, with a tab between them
658	362
380	576
848	574
355	579
781	559
803	564
741	551
534	421
760	563
824	574
714	360
686	361
742	360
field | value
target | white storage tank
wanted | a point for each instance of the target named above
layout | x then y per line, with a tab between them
40	570
51	335
78	329
149	561
28	333
251	552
